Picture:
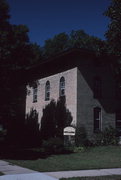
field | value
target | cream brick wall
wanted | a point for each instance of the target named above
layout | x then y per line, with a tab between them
70	92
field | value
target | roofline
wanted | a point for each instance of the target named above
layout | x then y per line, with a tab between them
66	52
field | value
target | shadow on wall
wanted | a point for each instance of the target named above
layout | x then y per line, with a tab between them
98	68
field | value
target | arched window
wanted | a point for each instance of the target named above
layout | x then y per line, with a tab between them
62	87
97	87
47	91
35	93
97	119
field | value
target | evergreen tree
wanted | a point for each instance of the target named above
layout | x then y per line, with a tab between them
55	118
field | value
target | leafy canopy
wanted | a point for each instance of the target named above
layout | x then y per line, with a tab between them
113	33
75	39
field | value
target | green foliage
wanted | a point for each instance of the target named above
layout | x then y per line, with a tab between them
4	13
63	116
53	145
113	34
16	54
78	149
76	39
3	133
31	132
55	45
107	137
48	121
80	39
55	118
81	137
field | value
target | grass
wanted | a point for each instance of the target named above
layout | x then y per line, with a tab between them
92	158
117	177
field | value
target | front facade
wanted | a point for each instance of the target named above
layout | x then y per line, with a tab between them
86	81
50	88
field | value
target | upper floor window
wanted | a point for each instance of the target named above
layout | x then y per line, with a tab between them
47	91
97	87
62	87
35	93
97	119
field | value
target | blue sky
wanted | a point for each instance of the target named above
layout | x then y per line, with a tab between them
45	18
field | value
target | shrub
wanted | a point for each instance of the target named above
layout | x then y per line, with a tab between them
53	145
31	130
79	149
55	117
3	133
81	137
107	137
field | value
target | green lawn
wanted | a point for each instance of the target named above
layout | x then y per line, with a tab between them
92	158
95	178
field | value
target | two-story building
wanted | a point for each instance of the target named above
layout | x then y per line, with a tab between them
87	81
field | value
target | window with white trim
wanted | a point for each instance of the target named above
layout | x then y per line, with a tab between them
35	93
118	122
47	91
97	119
62	87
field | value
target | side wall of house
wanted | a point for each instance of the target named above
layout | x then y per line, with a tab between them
85	96
70	92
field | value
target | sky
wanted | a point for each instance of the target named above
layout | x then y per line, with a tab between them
46	18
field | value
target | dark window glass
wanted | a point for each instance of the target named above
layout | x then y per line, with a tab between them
35	94
97	119
62	87
118	122
47	91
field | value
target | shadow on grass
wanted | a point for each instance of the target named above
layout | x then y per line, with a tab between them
28	153
22	154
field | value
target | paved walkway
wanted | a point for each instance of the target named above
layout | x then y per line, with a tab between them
8	168
13	172
83	173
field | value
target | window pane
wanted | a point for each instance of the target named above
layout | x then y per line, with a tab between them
35	94
47	91
118	122
62	87
97	119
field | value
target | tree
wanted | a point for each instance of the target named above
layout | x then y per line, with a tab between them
113	36
4	14
80	39
76	39
31	129
48	121
113	33
63	116
56	44
55	118
16	54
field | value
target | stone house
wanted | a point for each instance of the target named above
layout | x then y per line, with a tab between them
87	81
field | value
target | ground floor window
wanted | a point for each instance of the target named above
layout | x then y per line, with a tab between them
97	119
118	122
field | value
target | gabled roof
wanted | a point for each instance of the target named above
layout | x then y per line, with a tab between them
74	51
59	62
